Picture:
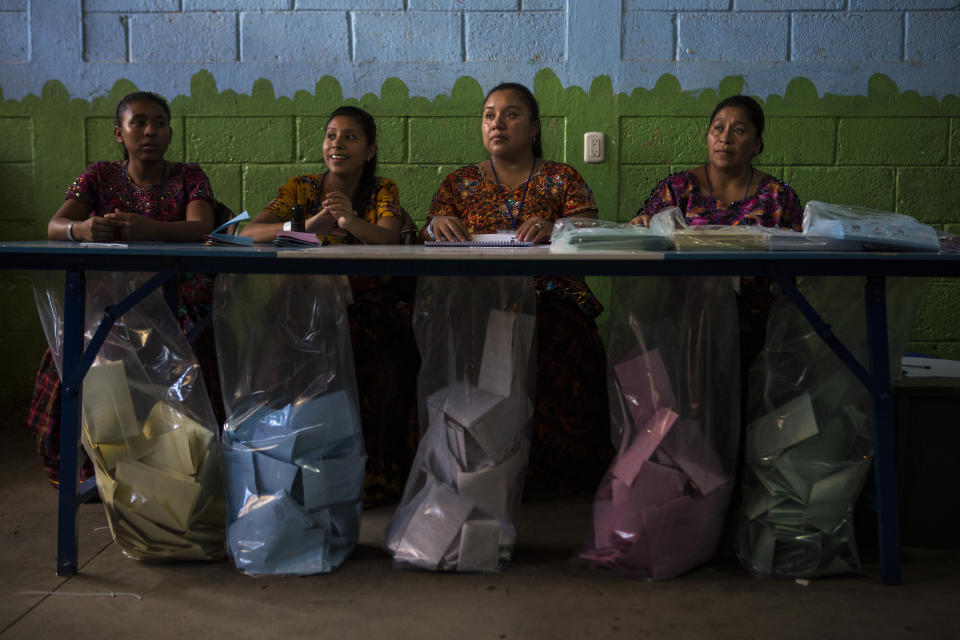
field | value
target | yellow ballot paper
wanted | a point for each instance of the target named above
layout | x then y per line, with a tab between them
168	497
107	405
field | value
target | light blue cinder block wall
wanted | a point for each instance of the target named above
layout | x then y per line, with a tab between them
161	44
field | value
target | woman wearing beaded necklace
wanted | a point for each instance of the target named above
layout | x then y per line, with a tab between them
727	189
518	192
144	197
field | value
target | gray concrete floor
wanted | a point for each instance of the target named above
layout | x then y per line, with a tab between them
541	594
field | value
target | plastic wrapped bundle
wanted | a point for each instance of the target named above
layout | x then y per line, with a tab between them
808	444
590	234
462	498
293	447
148	426
874	228
674	402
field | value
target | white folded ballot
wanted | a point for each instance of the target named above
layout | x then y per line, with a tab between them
460	501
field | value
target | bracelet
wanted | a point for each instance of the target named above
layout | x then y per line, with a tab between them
70	232
288	225
430	229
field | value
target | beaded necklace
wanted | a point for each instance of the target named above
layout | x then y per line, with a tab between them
506	199
746	191
133	196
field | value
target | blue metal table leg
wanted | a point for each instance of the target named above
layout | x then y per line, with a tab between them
884	461
74	298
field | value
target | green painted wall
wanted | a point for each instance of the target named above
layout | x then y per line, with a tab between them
888	150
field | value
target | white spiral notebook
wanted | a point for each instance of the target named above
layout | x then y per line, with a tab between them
482	240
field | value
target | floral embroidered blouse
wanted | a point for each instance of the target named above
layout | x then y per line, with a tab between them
554	191
105	187
307	190
774	204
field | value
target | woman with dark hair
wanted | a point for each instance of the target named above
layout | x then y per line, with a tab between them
144	197
349	203
516	190
728	189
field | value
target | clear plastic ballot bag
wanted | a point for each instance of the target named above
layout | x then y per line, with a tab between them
292	443
675	416
809	434
475	392
147	423
875	229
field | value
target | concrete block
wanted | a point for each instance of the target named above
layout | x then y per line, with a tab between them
101	145
453	140
893	141
933	36
227	183
417	184
391	139
183	37
789	5
105	37
237	5
408	36
262	181
662	140
240	139
17	136
798	141
532	37
938	316
18	182
13	5
926	193
668	5
351	5
462	5
543	5
636	185
140	6
648	35
900	5
294	36
20	313
14	37
825	37
955	141
732	36
873	187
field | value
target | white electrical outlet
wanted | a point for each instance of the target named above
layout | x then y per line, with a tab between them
593	147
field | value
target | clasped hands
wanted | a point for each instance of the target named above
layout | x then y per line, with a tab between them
111	226
452	229
335	218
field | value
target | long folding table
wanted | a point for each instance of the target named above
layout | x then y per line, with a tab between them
166	260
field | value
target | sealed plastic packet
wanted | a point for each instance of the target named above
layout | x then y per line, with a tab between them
147	424
475	388
293	447
809	442
675	416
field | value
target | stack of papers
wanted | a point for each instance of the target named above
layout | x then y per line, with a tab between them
296	239
294	486
660	508
216	238
463	495
159	481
